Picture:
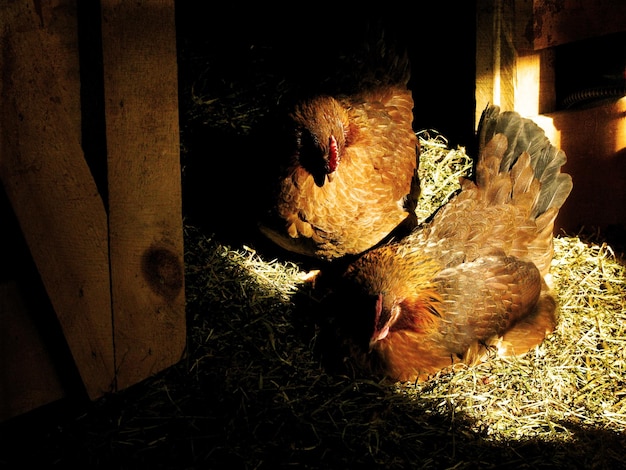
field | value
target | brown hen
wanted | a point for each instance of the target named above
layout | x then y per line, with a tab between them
472	278
350	177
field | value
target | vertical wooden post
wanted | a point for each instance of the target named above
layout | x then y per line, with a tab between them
507	67
113	270
145	212
48	182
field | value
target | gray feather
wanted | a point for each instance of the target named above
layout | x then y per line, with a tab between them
524	135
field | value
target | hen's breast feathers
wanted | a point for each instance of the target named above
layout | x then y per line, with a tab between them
373	188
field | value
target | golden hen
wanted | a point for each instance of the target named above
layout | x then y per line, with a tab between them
350	176
472	277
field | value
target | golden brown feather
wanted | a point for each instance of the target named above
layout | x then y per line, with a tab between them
472	278
350	177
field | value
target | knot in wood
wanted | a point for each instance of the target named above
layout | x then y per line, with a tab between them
163	271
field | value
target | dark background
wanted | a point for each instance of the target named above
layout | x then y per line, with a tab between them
439	37
239	71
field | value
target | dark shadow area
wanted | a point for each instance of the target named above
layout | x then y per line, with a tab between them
598	199
601	79
93	126
238	79
18	267
590	134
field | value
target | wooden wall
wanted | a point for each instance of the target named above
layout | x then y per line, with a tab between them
111	260
518	45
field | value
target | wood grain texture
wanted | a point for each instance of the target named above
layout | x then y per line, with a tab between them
557	22
49	184
594	140
145	210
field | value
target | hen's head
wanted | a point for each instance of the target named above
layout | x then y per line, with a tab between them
391	292
322	132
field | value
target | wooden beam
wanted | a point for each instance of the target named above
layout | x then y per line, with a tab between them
556	23
145	209
48	183
594	140
509	71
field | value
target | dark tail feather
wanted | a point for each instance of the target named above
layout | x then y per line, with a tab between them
524	135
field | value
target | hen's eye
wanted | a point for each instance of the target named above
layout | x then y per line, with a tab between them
310	143
311	153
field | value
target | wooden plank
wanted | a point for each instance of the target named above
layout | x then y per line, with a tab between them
547	82
49	184
564	21
506	66
594	140
509	72
145	208
486	60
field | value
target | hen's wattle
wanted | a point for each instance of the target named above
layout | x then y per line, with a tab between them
472	279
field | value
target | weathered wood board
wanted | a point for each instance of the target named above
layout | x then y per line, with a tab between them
112	266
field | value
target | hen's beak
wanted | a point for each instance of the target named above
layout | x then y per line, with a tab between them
379	336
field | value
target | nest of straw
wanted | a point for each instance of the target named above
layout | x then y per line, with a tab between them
250	392
562	404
